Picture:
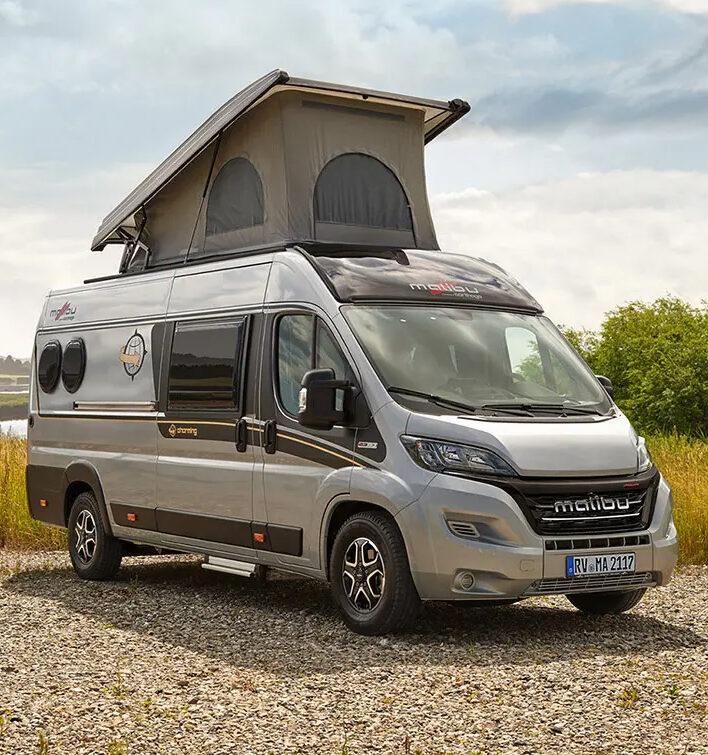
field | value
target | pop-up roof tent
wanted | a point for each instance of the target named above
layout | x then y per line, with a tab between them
287	160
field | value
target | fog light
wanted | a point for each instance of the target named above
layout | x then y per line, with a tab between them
465	580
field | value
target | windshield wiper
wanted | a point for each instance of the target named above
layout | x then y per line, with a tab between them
530	408
433	398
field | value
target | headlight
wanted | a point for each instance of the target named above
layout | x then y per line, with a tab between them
454	457
644	461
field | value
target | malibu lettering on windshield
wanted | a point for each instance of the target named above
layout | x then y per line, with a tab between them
447	287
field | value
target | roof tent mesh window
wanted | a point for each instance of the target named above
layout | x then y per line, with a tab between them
235	199
356	189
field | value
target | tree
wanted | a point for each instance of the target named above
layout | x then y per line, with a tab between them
656	355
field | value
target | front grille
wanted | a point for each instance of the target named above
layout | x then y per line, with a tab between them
593	543
611	511
597	583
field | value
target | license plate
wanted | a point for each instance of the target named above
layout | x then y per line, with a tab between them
611	563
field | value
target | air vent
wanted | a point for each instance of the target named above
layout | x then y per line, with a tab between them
596	583
464	529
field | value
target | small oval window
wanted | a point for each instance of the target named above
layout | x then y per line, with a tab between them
74	366
49	367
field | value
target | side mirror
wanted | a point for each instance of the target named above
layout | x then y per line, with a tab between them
322	400
606	383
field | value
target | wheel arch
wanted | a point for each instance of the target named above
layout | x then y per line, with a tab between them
80	477
337	513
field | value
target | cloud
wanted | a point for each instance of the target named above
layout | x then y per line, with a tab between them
587	244
47	218
554	109
526	7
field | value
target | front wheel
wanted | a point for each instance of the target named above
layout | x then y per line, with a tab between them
370	575
617	601
94	553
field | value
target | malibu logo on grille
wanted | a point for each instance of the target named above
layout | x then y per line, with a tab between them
594	503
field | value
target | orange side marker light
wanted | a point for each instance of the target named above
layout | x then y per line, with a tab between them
43	503
132	517
259	537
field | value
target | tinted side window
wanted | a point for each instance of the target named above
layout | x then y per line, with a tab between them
304	342
206	365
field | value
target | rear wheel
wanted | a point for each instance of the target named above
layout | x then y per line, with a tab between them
94	553
606	602
370	575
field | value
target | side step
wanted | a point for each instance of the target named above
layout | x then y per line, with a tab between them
238	568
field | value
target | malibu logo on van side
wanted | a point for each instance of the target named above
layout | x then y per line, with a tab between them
448	287
65	312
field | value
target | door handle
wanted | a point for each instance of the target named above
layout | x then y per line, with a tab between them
242	435
269	437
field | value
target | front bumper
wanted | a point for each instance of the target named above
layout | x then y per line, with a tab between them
506	558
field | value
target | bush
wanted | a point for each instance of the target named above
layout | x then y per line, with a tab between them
656	355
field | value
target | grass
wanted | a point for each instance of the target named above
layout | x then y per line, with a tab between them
684	464
13	399
17	528
683	461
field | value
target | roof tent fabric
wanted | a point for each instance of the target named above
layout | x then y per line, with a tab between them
299	161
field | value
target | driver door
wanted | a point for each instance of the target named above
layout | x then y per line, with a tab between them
302	468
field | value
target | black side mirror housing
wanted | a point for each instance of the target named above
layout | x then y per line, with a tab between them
606	383
323	400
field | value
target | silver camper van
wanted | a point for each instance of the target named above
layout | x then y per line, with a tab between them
287	373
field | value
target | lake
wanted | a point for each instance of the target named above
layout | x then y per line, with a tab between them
16	427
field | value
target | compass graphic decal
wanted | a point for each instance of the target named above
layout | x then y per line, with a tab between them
133	355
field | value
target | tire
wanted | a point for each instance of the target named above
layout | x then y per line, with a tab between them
94	553
377	594
606	602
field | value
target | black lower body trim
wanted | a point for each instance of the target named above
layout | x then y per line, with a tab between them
278	538
139	517
284	539
45	493
216	529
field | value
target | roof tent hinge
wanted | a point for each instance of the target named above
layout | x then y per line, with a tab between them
133	245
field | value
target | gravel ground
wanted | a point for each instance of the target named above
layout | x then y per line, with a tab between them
173	659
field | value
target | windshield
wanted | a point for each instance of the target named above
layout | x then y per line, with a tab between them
459	358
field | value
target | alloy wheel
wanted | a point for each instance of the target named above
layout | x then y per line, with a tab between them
363	574
85	530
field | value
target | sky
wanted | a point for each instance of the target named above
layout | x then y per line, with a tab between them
582	167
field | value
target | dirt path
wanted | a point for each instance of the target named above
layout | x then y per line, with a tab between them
173	659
